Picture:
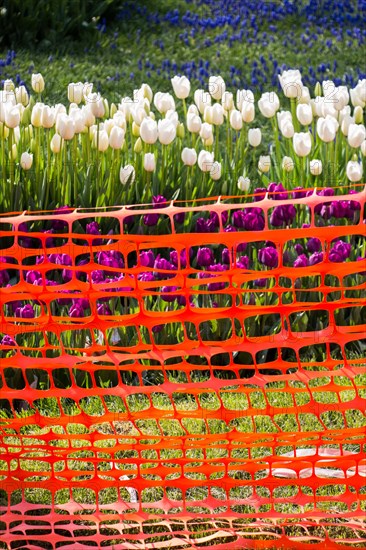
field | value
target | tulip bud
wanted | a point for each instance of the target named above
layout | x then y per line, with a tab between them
127	173
189	156
358	114
116	137
316	167
135	129
26	116
26	161
206	132
113	110
149	162
254	137
33	145
180	130
4	130
288	164
9	85
56	144
318	89
14	152
138	146
37	83
208	114
147	92
264	163
22	96
243	184
106	107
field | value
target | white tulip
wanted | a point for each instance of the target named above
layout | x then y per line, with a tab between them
217	114
302	143
22	96
181	86
97	105
89	118
248	111
37	83
341	97
149	162
363	148
254	137
189	156
101	140
215	171
192	109
304	114
12	117
36	116
358	94
47	117
269	104
125	173
205	160
244	96
56	143
264	163
236	121
346	123
87	90
8	85
356	134
288	164
208	114
316	167
119	120
305	96
26	161
291	83
116	137
149	131
243	184
173	117
167	131
227	101
216	87
328	108
164	102
202	99
146	92
327	128
206	131
287	128
138	114
75	92
193	123
358	114
282	117
354	171
65	126
346	111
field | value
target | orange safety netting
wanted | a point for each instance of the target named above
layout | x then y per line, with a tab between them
228	414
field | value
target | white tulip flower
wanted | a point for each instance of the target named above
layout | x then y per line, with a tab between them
101	140
243	184
316	167
189	156
167	131
47	117
149	131
26	161
149	162
288	164
205	160
146	92
181	86
244	96
302	143
291	83
236	120
56	143
22	96
217	114
356	134
75	92
254	137
264	163
173	117
202	99
216	87
358	94
37	83
327	128
227	101
36	116
12	117
354	171
116	137
125	173
65	126
363	148
206	132
305	96
97	105
194	123
164	102
304	114
358	114
269	104
347	121
192	109
215	171
248	111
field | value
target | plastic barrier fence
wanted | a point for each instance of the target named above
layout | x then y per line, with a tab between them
185	376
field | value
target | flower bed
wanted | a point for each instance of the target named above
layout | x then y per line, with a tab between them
185	375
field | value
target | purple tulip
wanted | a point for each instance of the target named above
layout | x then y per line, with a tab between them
158	202
243	262
180	217
50	242
301	261
314	245
268	256
205	257
316	258
157	328
277	192
147	258
217	268
92	228
259	194
298	193
340	252
104	309
97	276
168	289
283	215
183	258
4	277
61	224
230	229
8	341
26	312
82	302
299	249
261	282
146	277
225	256
111	258
253	221
76	310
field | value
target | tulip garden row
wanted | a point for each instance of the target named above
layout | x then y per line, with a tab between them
181	143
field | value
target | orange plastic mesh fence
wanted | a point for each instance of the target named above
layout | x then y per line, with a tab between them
172	405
